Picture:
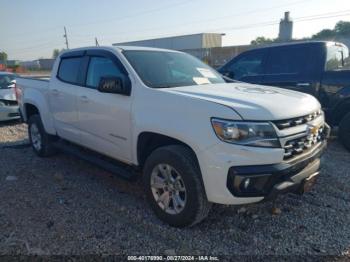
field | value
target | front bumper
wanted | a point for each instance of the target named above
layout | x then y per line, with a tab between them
9	113
268	181
224	167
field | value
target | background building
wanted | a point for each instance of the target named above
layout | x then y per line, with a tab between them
195	41
30	65
46	63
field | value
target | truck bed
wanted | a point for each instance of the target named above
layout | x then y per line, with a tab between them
35	77
36	82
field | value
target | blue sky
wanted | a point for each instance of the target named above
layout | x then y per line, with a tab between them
33	28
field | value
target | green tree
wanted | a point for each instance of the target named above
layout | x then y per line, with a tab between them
260	40
3	56
341	29
55	53
325	34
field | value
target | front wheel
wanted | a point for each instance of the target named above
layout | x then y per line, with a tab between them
41	141
344	131
174	188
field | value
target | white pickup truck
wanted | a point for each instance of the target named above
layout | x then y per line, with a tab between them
195	138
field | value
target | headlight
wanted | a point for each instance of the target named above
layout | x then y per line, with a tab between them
2	103
260	134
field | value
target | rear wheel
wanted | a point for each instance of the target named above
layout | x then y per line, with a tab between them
344	131
173	185
41	141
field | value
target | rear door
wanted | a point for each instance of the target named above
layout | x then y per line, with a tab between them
247	67
63	96
104	118
292	67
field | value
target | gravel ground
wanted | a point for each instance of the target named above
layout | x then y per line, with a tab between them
61	205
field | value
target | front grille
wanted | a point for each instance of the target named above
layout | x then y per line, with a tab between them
303	144
282	124
8	102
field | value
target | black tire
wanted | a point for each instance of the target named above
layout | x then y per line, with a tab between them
46	148
183	160
344	131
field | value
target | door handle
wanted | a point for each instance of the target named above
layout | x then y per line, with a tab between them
303	84
55	92
84	99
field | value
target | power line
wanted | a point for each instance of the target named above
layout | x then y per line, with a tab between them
208	20
255	25
134	15
184	24
107	20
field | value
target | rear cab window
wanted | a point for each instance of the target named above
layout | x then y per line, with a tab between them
337	57
69	70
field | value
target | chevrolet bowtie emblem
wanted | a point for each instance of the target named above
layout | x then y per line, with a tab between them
313	129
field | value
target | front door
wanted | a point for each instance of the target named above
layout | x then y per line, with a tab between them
105	118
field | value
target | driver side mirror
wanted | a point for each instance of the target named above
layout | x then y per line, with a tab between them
115	85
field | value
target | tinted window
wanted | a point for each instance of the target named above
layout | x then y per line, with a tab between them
100	67
69	69
247	65
287	60
337	58
160	69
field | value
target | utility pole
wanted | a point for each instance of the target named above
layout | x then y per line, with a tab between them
66	37
96	42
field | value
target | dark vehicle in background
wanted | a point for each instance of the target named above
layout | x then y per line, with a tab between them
319	68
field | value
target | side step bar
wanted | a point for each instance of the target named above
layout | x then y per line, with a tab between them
120	169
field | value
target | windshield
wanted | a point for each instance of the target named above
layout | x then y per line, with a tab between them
5	81
337	57
159	69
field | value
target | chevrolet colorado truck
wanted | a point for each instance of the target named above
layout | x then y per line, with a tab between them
168	117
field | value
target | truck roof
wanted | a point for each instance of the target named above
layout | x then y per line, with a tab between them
297	43
136	48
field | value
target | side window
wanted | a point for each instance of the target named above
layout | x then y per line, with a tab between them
249	64
289	60
100	67
69	69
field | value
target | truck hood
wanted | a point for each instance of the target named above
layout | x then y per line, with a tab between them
253	102
7	94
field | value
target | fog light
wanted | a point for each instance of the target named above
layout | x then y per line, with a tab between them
246	183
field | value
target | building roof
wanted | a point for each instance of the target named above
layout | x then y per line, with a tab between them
166	37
